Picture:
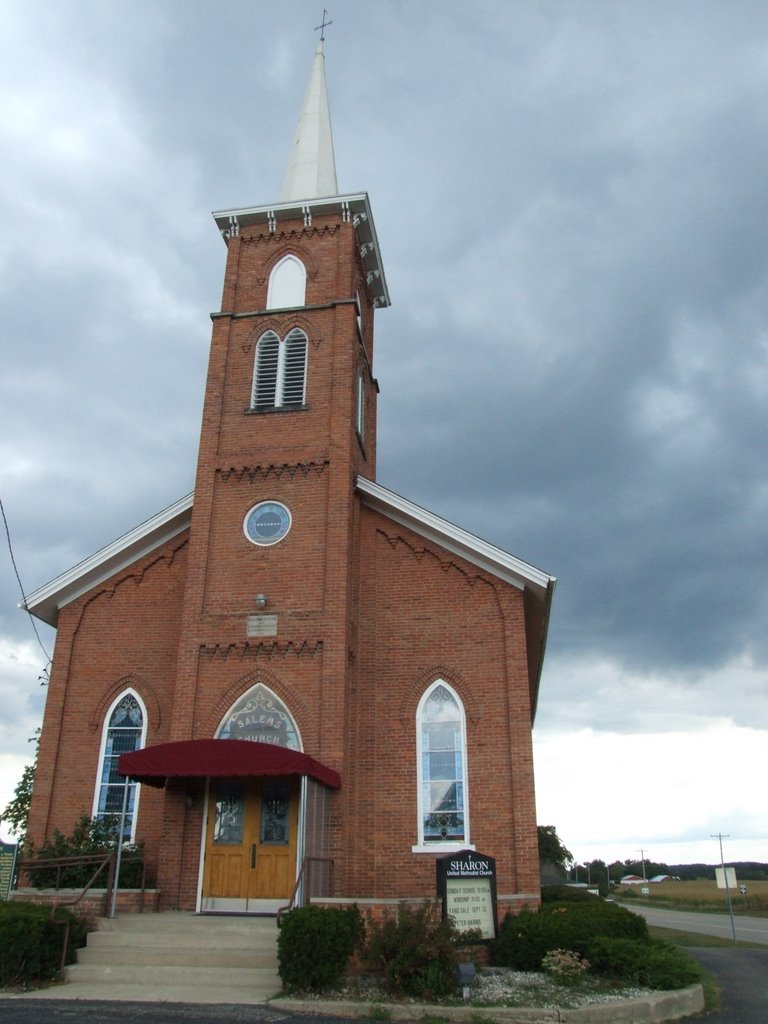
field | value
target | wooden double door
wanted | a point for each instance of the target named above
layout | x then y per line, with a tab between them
250	847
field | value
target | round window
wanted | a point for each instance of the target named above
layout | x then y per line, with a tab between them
267	523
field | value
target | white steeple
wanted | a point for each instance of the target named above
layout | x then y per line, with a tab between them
311	172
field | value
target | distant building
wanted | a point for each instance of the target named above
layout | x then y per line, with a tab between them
295	667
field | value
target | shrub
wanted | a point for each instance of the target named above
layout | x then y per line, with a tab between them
670	967
565	966
655	964
314	946
31	943
90	836
418	952
619	958
525	939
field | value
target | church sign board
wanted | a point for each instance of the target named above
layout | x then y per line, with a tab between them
7	866
466	883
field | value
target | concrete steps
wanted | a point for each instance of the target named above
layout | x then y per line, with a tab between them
176	957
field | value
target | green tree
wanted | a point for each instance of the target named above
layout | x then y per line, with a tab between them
551	848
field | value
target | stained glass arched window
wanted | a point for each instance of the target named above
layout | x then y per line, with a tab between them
124	731
442	767
260	716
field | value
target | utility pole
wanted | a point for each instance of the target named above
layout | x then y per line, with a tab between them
642	858
721	837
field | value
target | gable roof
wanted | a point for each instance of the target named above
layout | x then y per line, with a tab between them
537	586
46	601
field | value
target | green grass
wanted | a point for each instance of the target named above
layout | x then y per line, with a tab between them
682	938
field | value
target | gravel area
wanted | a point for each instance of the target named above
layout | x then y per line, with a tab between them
499	986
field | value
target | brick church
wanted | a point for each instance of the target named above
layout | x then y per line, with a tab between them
295	683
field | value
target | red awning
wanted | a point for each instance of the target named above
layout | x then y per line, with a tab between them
220	759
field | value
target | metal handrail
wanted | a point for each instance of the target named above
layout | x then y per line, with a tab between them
304	865
63	862
100	859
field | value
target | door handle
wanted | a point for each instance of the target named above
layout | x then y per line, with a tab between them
253	855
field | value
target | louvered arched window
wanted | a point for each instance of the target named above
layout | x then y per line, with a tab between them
280	372
124	731
441	745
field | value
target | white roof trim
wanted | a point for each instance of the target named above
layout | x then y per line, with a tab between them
47	600
354	206
479	552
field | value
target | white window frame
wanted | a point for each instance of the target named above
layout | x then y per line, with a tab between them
283	345
450	846
360	404
103	749
286	289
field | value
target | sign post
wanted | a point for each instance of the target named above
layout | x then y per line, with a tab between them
8	853
466	883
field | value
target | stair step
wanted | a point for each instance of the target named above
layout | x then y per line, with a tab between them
223	977
175	920
178	957
150	956
138	993
266	944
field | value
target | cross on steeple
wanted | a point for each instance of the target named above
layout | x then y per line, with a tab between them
322	27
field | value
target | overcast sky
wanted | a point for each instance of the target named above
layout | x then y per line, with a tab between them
571	199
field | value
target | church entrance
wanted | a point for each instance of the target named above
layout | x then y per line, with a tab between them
250	845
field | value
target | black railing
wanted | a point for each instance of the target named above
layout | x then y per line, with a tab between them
307	879
60	864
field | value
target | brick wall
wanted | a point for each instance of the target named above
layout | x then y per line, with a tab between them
93	905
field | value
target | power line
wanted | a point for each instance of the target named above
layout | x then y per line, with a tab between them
21	588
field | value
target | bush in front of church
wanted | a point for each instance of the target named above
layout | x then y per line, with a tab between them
90	837
656	964
31	944
525	939
418	951
314	945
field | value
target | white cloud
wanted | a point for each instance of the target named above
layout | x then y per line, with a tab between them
617	793
21	698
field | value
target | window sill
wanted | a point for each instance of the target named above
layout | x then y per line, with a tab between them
269	410
442	847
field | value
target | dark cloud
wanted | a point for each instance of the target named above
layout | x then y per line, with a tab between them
570	200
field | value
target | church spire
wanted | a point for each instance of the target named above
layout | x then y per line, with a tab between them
311	172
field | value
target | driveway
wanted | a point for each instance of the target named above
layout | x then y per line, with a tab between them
742	974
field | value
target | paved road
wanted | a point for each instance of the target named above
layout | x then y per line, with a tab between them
51	1011
742	974
748	929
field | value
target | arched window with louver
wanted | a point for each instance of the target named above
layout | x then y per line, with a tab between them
280	372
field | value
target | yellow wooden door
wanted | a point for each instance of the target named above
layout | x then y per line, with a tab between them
251	840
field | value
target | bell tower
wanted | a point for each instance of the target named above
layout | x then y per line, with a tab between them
289	421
